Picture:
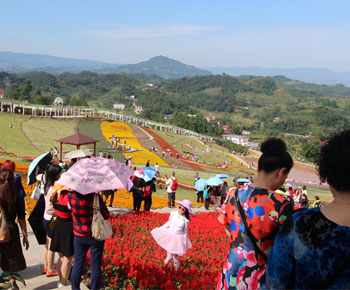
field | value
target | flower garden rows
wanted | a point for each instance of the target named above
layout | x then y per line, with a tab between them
121	130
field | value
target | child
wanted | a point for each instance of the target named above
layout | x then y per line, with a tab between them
317	202
172	236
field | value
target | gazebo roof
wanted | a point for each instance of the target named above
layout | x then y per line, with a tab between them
78	139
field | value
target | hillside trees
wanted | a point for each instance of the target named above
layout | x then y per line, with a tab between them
198	124
26	90
310	150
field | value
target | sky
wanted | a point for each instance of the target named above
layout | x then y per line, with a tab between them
225	33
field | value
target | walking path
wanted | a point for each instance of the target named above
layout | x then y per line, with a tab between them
34	259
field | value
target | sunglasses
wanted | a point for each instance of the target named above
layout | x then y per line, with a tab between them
182	208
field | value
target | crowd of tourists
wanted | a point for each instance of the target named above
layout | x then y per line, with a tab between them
276	240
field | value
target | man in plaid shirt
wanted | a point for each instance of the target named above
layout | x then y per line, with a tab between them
82	212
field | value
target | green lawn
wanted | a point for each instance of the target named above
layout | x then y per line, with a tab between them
12	139
44	132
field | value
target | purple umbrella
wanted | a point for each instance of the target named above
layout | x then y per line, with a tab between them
95	174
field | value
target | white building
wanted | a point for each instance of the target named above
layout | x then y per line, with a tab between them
237	139
119	106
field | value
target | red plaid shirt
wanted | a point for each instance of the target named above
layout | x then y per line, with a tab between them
82	212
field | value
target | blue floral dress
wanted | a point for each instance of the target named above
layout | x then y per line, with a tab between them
307	251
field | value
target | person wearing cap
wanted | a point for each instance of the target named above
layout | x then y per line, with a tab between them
172	236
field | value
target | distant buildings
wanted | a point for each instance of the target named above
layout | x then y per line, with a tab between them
2	93
237	139
210	118
227	129
119	106
277	119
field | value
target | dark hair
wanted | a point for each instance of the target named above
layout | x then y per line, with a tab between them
317	197
333	162
187	214
274	156
306	199
52	174
7	193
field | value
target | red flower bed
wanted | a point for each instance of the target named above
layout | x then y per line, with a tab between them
133	260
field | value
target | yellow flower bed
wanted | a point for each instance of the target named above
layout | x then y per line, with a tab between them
121	130
123	198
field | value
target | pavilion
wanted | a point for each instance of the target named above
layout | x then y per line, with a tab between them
78	140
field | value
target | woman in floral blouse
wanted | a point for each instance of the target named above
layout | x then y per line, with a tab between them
263	210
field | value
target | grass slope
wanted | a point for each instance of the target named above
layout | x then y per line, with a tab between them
43	132
12	139
183	145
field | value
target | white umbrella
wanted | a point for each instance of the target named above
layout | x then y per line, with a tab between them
79	153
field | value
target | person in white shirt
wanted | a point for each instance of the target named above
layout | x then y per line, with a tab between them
304	191
172	236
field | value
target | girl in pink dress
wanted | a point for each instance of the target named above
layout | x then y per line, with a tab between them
172	236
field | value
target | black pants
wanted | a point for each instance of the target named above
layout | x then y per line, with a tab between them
148	202
137	196
200	196
207	203
171	199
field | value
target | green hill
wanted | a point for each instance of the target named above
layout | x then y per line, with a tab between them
245	103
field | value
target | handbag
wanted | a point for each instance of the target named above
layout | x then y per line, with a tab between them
38	190
4	229
52	222
101	228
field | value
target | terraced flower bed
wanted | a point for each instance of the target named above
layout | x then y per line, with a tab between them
127	137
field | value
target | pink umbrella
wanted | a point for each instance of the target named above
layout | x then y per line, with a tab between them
95	174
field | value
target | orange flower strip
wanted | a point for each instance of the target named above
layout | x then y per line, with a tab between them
127	138
123	198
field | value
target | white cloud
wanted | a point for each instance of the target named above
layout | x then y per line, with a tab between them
130	32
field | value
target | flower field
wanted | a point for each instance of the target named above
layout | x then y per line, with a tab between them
132	259
166	146
121	130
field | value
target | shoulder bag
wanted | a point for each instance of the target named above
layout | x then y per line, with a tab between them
247	230
101	228
38	190
4	229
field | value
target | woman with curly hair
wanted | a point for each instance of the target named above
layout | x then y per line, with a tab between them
314	244
252	215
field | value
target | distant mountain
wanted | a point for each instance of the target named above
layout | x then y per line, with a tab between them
160	65
310	75
19	62
164	67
